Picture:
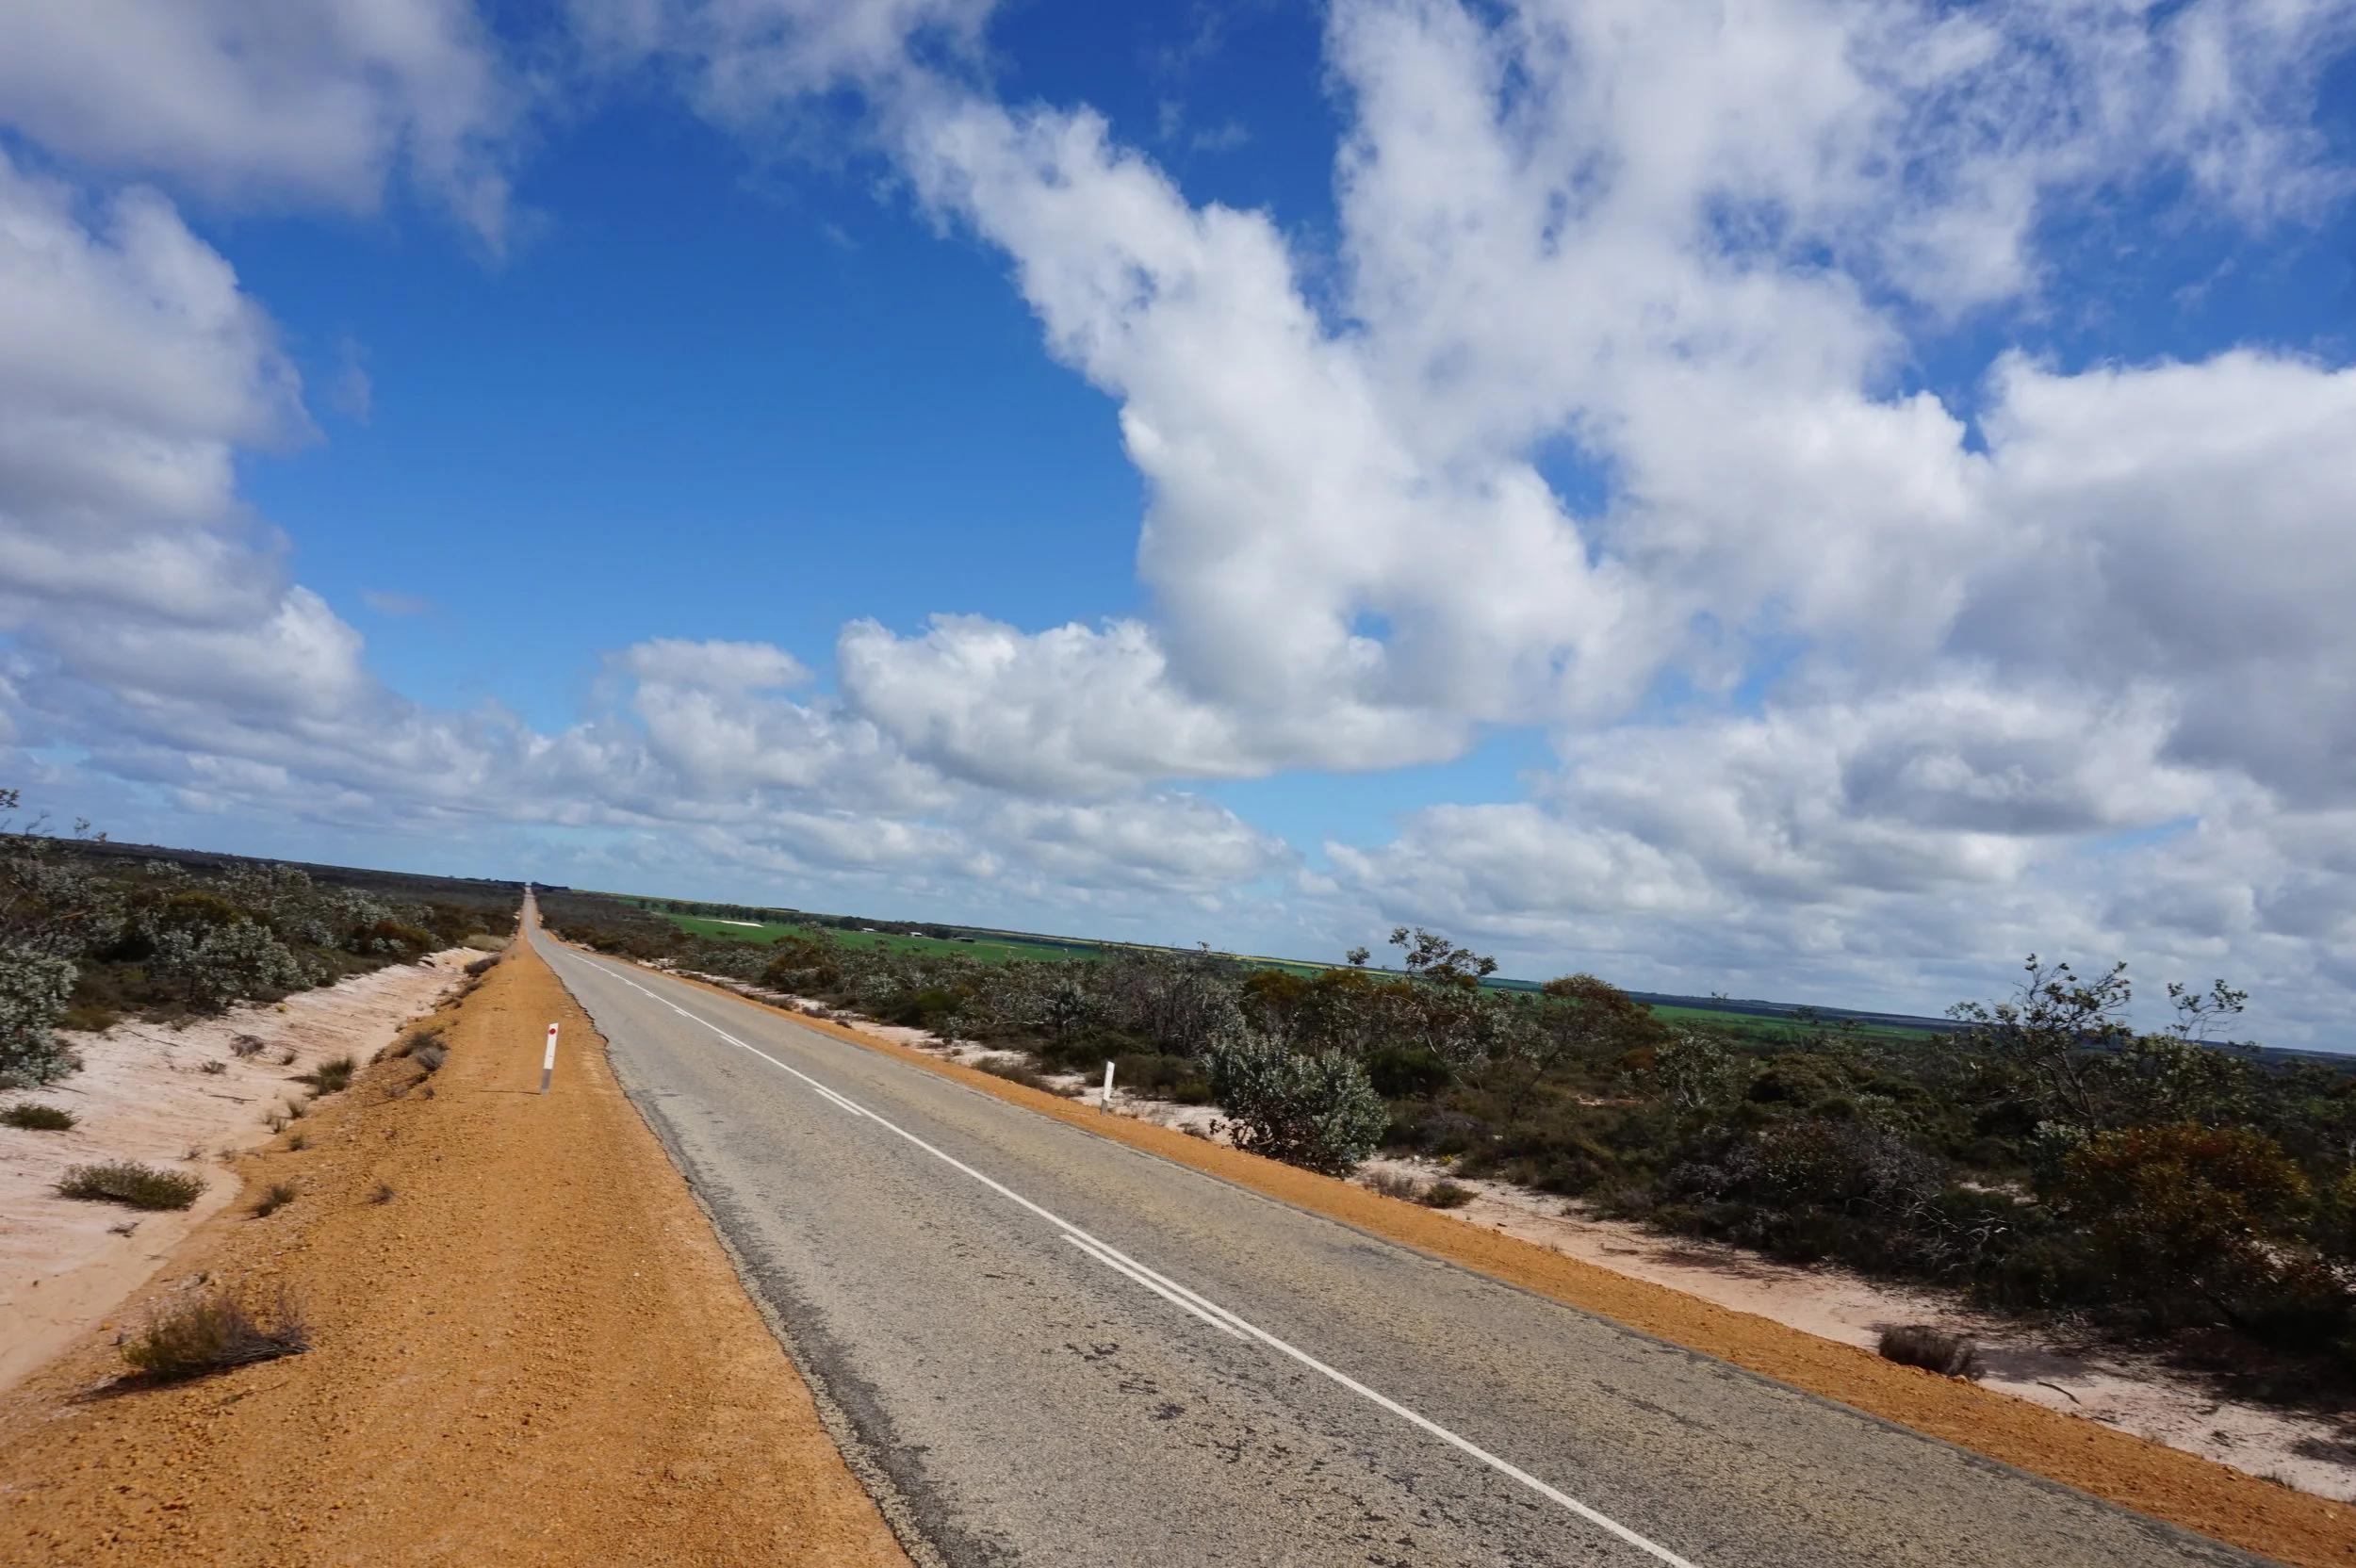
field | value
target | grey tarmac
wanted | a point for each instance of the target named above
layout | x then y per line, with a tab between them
1027	1395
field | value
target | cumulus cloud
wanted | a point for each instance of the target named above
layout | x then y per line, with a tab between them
312	103
152	622
1848	680
752	62
1700	248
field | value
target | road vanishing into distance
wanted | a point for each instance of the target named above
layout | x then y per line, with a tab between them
1061	1351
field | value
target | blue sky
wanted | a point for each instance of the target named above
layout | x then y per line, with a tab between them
1811	503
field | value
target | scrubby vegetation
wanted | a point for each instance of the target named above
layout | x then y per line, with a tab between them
37	1117
91	931
212	1333
2043	1157
129	1181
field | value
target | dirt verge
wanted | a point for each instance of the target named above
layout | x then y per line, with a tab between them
2164	1483
530	1350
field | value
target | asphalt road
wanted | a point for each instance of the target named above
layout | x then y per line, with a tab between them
1062	1351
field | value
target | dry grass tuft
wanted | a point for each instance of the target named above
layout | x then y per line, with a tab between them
1395	1184
1919	1345
141	1187
213	1332
243	1046
1446	1194
274	1197
38	1118
331	1076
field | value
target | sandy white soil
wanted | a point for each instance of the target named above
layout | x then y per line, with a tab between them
2313	1453
143	1094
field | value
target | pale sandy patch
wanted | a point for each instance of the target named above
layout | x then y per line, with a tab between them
143	1094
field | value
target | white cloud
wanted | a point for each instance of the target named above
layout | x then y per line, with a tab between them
242	103
752	62
1842	693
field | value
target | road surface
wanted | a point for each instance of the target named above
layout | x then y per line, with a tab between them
1061	1351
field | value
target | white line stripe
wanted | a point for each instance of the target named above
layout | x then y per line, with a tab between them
1105	1257
1201	1305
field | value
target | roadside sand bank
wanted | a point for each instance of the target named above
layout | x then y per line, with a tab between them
143	1094
532	1350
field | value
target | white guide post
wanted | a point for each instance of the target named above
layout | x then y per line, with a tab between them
1105	1101
548	1063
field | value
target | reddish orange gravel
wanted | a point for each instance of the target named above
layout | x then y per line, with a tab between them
535	1353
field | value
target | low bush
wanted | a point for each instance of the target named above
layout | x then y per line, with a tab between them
243	1046
1446	1194
1317	1111
1917	1344
1157	1076
1016	1071
38	1118
274	1197
1395	1184
141	1187
213	1332
482	966
431	1055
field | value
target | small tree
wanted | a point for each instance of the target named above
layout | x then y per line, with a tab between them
1318	1111
2057	1031
1434	960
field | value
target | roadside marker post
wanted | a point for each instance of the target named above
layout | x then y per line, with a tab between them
1105	1101
548	1063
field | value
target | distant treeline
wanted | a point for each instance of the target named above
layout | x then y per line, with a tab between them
2043	1157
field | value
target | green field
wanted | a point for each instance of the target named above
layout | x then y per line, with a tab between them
1002	947
984	949
1760	1027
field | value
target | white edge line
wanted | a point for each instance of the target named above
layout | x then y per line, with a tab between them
1201	1306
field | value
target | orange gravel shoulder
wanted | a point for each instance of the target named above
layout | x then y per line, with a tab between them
532	1352
2166	1483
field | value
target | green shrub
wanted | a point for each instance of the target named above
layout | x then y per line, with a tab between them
213	1332
2191	1222
141	1187
35	991
1317	1111
39	1119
